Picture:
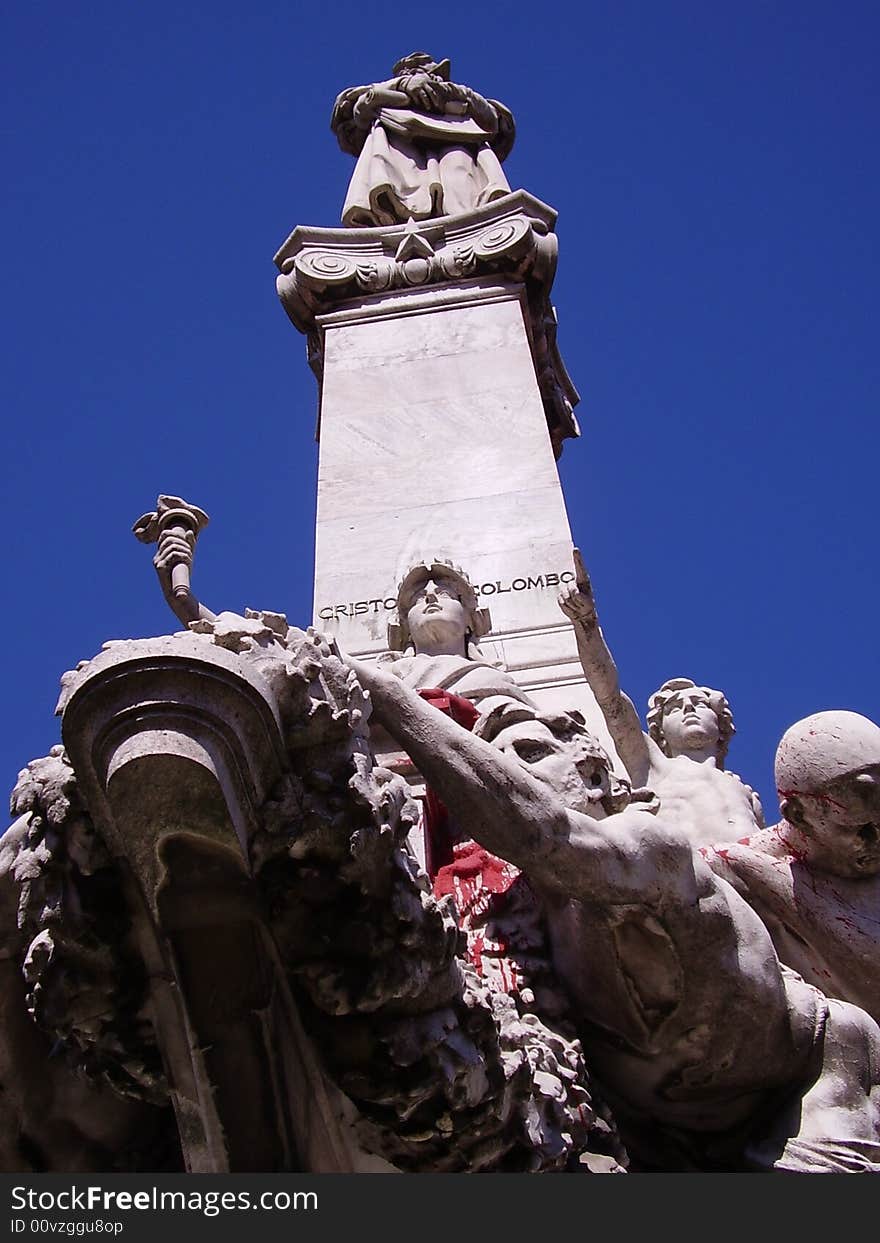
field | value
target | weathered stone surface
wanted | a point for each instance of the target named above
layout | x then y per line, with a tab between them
714	1055
446	1072
814	878
86	982
177	744
509	243
263	874
81	1072
680	759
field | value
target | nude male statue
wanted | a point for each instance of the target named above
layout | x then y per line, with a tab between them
712	1055
814	878
681	757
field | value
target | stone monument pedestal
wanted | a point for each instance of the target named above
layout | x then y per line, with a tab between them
443	405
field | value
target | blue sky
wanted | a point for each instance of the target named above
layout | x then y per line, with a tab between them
714	167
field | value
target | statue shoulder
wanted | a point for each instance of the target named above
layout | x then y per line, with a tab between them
392	661
504	138
658	760
346	120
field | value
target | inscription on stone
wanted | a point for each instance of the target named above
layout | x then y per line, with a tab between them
537	582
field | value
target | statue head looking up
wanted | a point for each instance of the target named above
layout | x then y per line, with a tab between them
828	777
690	720
437	612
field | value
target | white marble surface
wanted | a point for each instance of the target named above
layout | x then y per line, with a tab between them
434	442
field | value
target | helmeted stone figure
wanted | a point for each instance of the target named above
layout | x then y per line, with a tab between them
425	145
434	639
814	878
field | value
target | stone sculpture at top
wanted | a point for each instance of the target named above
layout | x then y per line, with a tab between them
425	145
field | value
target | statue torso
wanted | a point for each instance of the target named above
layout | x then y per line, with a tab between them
673	1042
706	803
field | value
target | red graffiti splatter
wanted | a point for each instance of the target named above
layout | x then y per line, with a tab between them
825	799
441	832
481	884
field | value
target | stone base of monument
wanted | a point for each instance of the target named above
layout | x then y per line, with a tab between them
273	964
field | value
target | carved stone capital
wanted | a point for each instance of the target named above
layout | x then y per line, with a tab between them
324	270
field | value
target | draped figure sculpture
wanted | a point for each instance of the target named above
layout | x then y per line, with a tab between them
434	649
425	146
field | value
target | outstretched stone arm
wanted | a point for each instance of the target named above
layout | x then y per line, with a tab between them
520	817
175	549
579	606
174	526
680	925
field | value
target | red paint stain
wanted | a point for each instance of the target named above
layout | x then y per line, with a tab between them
441	832
825	799
482	885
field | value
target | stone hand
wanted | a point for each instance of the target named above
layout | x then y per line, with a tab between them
382	687
425	92
174	526
175	547
577	601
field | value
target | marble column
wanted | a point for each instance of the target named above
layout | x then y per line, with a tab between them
443	406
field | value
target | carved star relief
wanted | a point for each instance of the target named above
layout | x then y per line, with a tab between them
413	245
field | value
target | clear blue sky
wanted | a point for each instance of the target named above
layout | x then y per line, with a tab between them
715	170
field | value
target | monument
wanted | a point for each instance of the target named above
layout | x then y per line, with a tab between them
410	889
443	400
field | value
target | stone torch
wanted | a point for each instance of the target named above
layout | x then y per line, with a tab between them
173	515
